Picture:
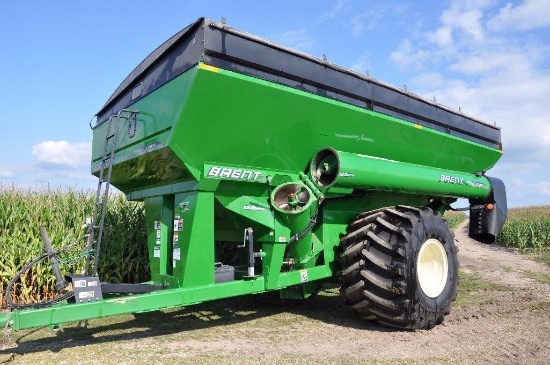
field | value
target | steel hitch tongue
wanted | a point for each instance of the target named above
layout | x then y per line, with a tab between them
60	282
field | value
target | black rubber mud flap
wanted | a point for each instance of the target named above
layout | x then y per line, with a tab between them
487	216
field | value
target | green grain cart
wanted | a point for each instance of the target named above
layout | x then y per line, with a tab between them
264	169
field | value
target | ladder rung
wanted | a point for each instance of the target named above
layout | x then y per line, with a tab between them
109	136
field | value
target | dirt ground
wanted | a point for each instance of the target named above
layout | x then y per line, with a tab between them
502	316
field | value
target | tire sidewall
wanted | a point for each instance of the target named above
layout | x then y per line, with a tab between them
426	308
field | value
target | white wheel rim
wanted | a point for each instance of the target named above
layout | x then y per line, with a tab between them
432	268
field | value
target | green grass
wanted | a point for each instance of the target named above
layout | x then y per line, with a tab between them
473	290
543	257
506	269
544	307
541	277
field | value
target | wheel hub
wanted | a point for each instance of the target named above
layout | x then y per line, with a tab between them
432	267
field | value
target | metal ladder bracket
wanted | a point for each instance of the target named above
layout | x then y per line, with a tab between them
95	228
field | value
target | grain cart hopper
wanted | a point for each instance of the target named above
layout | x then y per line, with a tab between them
264	169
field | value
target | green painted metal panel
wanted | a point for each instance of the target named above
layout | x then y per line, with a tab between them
341	169
217	124
303	276
159	212
193	241
272	264
64	313
279	128
282	128
143	161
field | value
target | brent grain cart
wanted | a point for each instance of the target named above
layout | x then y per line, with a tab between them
264	169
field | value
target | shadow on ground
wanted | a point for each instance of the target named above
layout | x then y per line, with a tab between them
327	307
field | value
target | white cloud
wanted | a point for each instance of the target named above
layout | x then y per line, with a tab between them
462	20
530	14
362	63
491	60
515	168
364	22
357	24
435	79
408	56
514	100
47	175
375	17
495	77
460	25
6	172
63	154
463	17
295	38
332	13
540	188
443	36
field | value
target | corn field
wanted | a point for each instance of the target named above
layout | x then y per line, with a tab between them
527	229
454	218
63	212
124	255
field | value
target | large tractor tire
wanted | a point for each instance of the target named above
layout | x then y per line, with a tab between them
400	267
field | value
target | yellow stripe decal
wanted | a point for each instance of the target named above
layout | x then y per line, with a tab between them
418	126
204	66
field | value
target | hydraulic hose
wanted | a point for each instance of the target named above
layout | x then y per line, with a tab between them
63	296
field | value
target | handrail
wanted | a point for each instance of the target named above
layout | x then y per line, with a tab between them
117	115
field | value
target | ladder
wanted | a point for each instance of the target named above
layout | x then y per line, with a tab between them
95	227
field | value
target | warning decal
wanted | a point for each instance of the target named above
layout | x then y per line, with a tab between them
303	276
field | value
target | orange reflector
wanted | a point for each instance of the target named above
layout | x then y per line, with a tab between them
490	206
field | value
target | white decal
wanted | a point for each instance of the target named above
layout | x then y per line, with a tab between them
254	207
178	224
476	184
303	276
79	283
460	181
85	294
451	179
225	172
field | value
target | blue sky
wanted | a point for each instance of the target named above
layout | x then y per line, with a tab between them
60	61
